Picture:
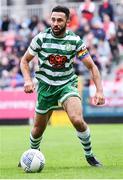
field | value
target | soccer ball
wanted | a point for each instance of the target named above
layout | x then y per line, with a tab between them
32	160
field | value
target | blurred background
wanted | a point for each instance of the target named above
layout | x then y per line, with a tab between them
98	23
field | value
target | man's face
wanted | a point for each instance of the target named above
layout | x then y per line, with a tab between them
58	23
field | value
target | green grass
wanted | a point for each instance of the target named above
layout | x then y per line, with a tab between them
63	153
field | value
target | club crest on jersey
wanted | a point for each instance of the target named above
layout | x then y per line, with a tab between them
57	61
68	47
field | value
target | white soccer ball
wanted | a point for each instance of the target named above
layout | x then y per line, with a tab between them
32	160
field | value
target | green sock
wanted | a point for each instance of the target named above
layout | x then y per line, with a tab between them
35	142
85	140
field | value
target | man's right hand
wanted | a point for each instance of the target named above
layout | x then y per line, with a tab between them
29	87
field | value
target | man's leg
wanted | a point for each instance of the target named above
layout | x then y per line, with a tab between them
40	123
73	108
39	126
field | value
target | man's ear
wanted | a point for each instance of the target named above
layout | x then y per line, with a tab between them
68	21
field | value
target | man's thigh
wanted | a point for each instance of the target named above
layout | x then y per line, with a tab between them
73	106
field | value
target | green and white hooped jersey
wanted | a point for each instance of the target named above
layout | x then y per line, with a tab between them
56	55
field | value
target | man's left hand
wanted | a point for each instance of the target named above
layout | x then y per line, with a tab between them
99	99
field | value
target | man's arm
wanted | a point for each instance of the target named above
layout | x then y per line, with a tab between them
25	69
99	97
84	56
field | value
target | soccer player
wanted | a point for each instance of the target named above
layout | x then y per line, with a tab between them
56	47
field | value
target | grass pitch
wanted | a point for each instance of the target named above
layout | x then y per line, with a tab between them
63	153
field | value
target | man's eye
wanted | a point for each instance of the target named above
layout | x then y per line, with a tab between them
60	20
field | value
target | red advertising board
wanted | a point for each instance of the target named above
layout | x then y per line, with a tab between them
16	104
113	92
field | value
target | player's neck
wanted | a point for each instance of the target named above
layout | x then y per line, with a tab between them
62	35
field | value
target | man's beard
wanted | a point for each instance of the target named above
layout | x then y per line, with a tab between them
60	32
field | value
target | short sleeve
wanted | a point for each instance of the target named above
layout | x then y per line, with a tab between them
81	49
35	45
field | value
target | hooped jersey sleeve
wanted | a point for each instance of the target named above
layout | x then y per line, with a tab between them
82	51
35	45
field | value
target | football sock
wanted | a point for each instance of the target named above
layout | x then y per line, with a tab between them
85	140
35	142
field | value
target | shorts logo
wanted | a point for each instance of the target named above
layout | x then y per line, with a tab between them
57	61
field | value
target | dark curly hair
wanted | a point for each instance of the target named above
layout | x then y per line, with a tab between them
63	9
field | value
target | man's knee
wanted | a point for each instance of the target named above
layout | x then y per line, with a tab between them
37	131
76	119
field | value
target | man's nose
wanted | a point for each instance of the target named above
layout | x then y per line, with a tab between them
55	23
